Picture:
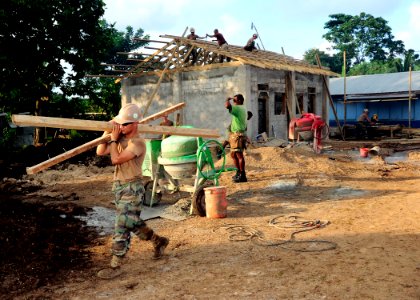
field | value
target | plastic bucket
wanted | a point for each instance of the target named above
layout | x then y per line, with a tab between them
216	203
364	152
374	151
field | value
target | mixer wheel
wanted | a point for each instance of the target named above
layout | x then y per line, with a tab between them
199	200
148	195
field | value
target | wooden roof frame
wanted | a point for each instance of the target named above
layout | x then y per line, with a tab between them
173	56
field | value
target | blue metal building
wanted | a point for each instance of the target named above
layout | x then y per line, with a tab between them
387	95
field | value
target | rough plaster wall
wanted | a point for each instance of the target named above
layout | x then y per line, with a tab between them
276	84
303	82
204	93
139	91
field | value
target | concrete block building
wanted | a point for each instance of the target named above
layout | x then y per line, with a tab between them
276	87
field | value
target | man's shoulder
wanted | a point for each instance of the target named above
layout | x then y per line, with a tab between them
138	140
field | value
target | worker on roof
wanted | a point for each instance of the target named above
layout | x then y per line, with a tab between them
192	36
250	45
221	42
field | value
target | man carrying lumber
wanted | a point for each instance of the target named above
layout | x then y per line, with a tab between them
127	150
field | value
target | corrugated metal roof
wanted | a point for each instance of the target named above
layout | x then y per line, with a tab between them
376	84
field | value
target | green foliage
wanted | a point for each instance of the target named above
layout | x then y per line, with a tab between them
36	37
391	66
47	47
104	93
410	59
373	67
7	134
334	62
363	37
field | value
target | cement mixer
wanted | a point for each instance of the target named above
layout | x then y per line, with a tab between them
180	163
309	126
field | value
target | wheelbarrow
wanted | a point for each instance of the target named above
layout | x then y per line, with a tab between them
191	173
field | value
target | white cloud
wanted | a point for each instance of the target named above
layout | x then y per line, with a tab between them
326	46
414	17
412	34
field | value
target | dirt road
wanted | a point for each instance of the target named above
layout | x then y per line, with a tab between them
370	248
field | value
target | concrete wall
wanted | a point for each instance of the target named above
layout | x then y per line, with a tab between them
205	91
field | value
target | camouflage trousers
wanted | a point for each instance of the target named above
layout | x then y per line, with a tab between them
128	202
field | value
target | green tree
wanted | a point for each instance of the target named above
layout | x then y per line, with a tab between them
372	67
334	62
410	59
363	37
36	38
103	93
392	66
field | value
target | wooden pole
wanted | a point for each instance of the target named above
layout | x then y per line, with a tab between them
168	63
330	98
345	87
409	101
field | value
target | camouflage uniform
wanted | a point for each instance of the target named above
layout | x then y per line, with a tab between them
128	201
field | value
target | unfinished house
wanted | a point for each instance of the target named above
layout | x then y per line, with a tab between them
276	87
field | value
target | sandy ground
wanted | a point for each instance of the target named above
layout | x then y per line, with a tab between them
370	248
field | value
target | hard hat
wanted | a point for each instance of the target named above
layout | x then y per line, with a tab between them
192	29
128	113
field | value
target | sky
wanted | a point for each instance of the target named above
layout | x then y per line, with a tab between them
283	25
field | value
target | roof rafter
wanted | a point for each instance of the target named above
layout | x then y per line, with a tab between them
176	55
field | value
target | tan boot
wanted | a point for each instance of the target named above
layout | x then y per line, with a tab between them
159	245
116	261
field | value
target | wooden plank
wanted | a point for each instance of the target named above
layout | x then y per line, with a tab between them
103	139
68	154
77	124
163	112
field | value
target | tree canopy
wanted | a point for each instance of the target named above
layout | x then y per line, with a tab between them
36	37
363	37
334	62
51	45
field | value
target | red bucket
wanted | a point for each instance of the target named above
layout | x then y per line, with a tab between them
364	152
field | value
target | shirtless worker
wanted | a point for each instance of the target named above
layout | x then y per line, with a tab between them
127	149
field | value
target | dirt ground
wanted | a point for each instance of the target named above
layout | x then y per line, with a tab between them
367	244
